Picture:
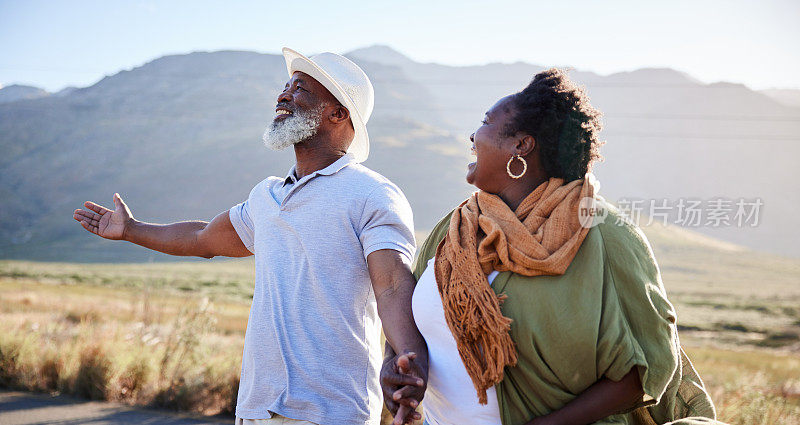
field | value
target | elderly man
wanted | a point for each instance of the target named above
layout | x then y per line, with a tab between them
333	242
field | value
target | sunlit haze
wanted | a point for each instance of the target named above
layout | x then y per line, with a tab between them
54	44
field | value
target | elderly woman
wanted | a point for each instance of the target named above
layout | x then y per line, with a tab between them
540	303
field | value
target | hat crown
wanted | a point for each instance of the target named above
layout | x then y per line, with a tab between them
352	80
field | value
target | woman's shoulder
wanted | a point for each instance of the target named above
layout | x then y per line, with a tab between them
633	268
620	234
440	229
428	248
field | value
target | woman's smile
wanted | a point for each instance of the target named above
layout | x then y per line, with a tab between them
474	153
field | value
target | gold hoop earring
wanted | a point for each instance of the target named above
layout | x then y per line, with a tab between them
524	167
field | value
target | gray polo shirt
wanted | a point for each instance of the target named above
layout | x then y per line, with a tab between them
312	348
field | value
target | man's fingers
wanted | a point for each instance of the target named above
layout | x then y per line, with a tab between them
403	413
96	208
88	216
88	221
409	402
387	396
399	380
415	369
391	406
408	366
89	227
404	360
409	355
405	395
413	416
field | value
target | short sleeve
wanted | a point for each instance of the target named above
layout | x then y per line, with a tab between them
243	224
387	222
637	324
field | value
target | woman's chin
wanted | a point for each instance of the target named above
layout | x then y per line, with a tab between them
471	173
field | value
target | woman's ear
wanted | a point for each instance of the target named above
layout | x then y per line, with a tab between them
525	145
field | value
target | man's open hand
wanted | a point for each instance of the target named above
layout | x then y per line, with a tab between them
104	222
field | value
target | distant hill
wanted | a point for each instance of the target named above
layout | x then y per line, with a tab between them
179	138
16	92
788	97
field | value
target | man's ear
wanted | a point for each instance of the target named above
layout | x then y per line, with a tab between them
525	144
340	114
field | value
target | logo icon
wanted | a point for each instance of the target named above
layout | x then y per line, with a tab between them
590	213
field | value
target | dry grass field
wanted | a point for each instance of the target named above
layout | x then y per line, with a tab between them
171	334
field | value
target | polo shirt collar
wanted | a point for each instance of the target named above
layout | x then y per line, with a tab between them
334	168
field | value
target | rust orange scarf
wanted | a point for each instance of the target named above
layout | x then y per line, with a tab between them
540	238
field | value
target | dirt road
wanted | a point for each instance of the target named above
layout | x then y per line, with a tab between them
21	408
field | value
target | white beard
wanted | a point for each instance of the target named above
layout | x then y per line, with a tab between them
296	128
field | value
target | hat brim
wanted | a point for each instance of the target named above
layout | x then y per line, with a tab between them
295	61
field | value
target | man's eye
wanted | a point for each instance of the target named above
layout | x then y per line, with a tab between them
484	122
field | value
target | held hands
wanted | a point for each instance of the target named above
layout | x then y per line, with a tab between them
104	222
403	381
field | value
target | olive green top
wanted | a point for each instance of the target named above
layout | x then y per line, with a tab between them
608	313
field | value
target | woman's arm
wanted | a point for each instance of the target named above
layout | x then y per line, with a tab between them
604	398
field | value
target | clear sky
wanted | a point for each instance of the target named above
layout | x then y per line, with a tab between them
53	44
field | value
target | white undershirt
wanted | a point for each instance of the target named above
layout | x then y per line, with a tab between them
451	398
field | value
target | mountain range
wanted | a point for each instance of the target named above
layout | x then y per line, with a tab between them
179	138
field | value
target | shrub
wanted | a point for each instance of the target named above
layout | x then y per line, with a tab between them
92	378
50	373
134	378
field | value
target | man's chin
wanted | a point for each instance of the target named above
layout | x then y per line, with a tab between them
288	131
276	146
274	143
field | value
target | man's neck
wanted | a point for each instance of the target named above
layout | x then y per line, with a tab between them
311	157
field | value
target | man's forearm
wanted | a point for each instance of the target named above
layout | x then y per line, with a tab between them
394	284
174	239
394	309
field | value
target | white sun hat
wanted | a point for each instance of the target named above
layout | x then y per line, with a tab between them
348	83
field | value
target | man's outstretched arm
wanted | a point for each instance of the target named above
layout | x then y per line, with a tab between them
186	238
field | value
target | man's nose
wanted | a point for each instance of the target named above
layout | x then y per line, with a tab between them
285	96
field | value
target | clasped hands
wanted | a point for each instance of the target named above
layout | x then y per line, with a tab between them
403	381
